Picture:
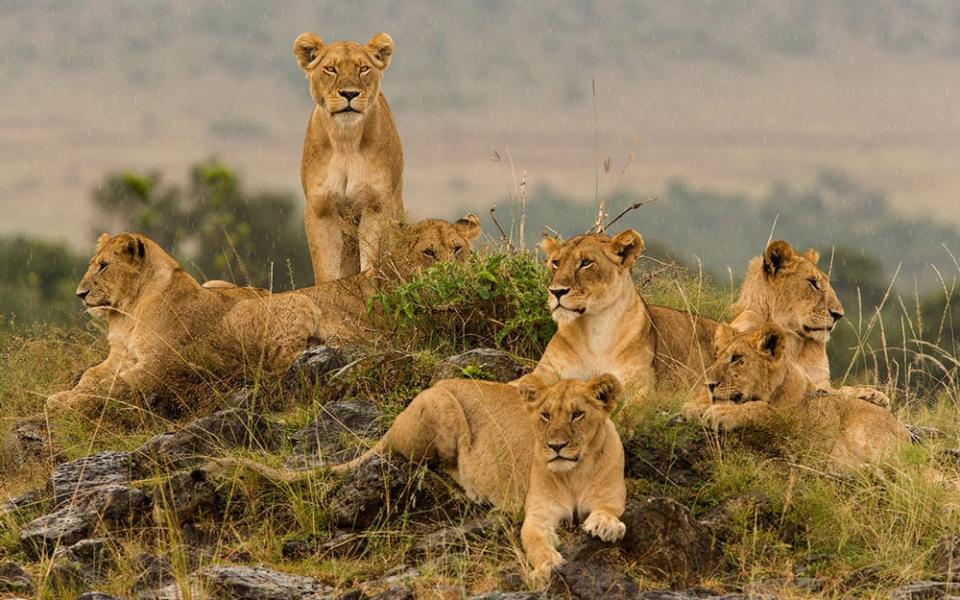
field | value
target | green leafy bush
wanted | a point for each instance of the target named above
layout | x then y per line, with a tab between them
493	299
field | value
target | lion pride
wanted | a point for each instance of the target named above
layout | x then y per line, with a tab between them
352	163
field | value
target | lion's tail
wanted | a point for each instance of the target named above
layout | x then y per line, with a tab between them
291	476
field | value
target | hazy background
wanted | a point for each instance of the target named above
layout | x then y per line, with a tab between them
841	117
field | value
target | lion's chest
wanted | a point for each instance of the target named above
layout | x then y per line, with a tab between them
347	184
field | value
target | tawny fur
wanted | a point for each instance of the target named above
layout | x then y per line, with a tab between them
754	380
162	324
788	288
352	163
606	327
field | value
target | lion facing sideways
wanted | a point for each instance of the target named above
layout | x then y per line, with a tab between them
352	165
162	323
551	449
754	380
787	287
605	326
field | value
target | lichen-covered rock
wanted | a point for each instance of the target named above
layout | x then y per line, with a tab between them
71	479
33	441
311	368
96	596
587	579
333	436
66	526
207	436
116	504
19	503
453	539
87	560
481	363
14	579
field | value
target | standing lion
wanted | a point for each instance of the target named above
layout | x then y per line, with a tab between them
352	166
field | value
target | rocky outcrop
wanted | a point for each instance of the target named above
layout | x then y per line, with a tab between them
481	363
246	583
74	478
14	579
335	435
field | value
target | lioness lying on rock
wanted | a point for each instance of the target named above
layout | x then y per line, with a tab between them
787	287
605	325
754	380
552	450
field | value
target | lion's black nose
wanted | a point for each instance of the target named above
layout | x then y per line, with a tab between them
559	292
557	447
82	294
836	315
349	94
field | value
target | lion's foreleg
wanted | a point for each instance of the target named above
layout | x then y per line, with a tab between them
95	382
324	239
538	535
729	416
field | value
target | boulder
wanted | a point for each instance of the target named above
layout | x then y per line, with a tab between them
587	579
88	560
96	596
481	363
453	539
14	579
925	590
332	437
116	504
313	367
71	479
187	497
207	436
66	526
246	583
33	441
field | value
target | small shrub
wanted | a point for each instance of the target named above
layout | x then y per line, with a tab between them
493	299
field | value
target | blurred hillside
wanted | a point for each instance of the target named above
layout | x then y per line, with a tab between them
726	96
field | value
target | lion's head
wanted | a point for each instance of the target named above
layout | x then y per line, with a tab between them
344	76
115	273
568	417
590	272
750	365
418	245
789	288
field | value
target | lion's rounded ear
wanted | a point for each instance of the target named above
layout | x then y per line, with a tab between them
776	255
772	341
812	255
626	247
549	244
606	390
381	49
723	336
307	48
468	226
102	241
134	247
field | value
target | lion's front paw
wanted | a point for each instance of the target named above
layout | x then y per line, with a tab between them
540	576
867	394
721	417
604	526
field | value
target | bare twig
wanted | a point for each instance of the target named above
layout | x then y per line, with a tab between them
633	206
504	238
523	208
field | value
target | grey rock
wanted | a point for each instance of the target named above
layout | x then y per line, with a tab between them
19	503
481	363
115	503
207	436
311	368
587	580
187	497
72	478
96	596
326	440
66	526
247	583
452	539
397	592
154	572
924	590
15	579
91	559
33	441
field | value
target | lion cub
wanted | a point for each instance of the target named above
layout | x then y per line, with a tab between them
554	449
754	380
352	166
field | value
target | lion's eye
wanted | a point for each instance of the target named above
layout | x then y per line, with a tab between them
103	265
545	417
735	358
814	283
585	263
457	249
554	264
364	70
330	70
576	416
429	252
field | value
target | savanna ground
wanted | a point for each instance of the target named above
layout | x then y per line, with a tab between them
776	517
